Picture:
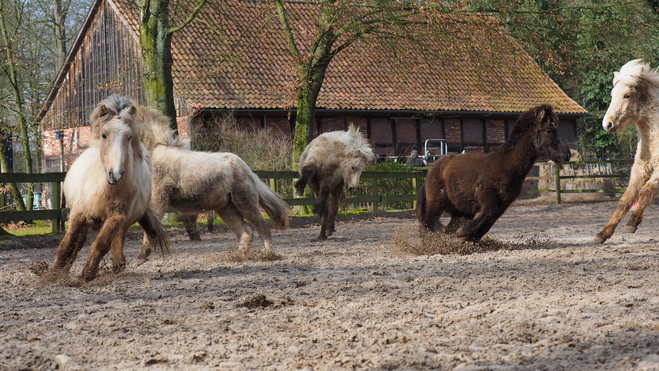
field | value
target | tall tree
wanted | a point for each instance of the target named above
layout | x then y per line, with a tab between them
155	43
10	69
340	24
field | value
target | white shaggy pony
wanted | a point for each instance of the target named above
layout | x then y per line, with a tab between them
329	162
108	189
192	182
635	101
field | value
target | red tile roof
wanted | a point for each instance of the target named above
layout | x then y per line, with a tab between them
235	57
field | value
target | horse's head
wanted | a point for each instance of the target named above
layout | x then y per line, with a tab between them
114	132
547	141
632	90
352	166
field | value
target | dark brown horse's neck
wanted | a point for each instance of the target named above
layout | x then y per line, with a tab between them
522	157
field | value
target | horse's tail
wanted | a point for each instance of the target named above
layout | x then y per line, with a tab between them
155	232
276	208
420	210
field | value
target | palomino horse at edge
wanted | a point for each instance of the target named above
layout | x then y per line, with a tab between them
635	101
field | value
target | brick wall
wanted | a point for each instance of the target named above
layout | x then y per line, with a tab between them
495	131
452	130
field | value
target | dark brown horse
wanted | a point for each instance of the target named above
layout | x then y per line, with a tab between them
476	188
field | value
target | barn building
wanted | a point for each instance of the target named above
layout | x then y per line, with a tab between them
465	82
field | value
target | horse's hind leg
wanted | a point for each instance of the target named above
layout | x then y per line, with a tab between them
626	201
333	210
435	206
190	223
322	210
489	212
234	220
101	245
645	197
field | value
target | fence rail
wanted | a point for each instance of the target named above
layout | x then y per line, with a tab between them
369	180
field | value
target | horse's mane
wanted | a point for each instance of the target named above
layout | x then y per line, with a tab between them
155	130
108	108
525	122
357	141
635	71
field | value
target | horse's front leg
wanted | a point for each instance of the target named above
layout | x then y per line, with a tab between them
68	249
117	249
645	197
626	201
456	222
101	245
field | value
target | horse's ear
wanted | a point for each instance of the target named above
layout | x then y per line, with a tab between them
540	114
103	110
132	110
356	153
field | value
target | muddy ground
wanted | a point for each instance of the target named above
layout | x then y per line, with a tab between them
539	295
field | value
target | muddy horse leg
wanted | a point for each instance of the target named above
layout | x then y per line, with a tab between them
321	209
68	249
646	195
117	249
337	195
626	202
435	205
489	212
246	200
101	245
147	244
190	223
234	221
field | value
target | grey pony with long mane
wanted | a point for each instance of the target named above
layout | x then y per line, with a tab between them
329	162
193	182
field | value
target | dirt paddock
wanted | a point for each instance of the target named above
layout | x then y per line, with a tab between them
537	295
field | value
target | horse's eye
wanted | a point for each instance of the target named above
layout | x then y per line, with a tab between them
354	168
626	96
104	136
130	137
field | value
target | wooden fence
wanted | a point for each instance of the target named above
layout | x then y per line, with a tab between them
370	180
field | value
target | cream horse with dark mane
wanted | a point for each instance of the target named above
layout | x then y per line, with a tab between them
635	101
108	189
193	182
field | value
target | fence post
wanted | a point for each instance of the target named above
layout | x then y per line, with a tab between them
557	181
414	190
374	185
55	191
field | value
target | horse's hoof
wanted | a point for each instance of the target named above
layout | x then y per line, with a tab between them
599	239
630	229
119	267
141	261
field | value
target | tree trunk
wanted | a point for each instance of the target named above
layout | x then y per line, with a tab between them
59	29
13	188
18	105
155	42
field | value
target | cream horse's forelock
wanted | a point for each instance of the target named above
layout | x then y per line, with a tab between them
633	72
